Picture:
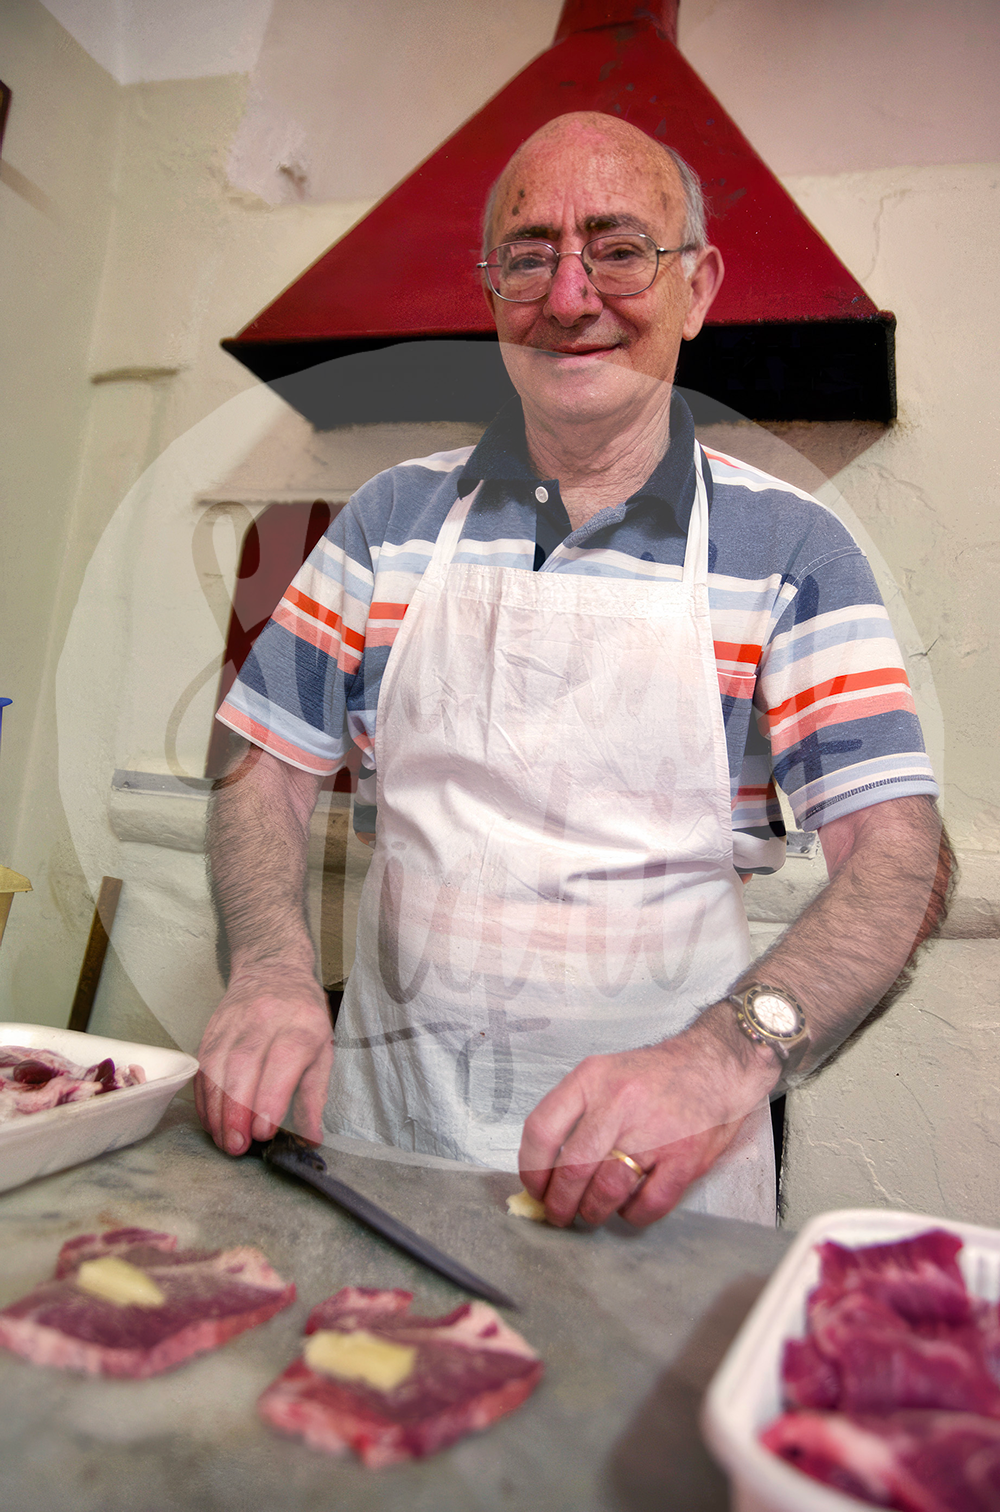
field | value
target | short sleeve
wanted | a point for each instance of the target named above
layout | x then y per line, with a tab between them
833	698
291	694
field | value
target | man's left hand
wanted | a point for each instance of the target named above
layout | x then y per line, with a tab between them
672	1107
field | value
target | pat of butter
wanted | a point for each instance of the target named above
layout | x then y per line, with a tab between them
117	1281
523	1205
360	1356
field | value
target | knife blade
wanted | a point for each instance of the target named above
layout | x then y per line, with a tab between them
288	1153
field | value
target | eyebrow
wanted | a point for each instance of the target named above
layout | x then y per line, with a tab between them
594	224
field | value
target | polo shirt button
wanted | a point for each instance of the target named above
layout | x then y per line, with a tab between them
542	495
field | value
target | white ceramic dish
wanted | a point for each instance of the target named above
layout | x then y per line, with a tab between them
61	1137
745	1394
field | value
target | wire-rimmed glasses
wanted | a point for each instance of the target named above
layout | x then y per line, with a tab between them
619	264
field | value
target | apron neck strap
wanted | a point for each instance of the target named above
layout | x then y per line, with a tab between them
451	531
696	550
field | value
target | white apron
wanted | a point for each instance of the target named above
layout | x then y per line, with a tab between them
553	875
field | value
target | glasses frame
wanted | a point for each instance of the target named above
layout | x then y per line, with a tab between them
534	242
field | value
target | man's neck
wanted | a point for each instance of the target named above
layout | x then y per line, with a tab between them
597	463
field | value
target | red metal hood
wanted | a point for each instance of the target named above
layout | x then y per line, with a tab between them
791	334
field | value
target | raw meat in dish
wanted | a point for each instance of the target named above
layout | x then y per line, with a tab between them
883	1362
462	1372
808	1378
914	1461
209	1296
32	1081
893	1396
918	1278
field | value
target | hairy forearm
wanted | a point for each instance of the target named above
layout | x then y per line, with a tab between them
887	894
258	840
676	1106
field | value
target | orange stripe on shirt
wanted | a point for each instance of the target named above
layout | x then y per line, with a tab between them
848	682
329	617
829	716
731	651
305	628
381	611
332	643
268	740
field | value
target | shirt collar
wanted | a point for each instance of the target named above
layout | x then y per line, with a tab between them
502	456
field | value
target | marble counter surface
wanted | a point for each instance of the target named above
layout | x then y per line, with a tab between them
630	1325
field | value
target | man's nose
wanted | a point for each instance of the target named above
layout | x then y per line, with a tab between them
572	295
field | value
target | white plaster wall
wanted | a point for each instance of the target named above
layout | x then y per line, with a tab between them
317	130
921	240
55	207
907	1117
140	40
131	258
836	86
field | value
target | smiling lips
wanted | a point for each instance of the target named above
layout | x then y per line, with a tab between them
592	351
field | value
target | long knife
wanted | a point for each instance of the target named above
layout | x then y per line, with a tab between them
292	1155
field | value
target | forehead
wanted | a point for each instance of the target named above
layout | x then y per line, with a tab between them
572	181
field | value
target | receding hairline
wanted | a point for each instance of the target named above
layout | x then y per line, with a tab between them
622	133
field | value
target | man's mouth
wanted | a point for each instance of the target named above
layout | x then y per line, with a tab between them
578	351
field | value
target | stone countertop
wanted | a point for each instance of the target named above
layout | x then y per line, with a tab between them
630	1325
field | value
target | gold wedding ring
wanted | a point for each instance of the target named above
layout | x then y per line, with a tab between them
633	1165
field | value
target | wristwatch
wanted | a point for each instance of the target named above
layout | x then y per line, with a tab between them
771	1016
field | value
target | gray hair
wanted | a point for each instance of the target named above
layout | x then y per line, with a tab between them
695	232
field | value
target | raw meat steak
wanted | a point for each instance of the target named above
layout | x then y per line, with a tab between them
882	1362
919	1278
32	1081
913	1461
210	1296
808	1378
469	1369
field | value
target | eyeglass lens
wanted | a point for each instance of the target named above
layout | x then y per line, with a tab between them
522	271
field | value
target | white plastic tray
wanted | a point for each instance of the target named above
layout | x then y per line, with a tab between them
745	1394
61	1137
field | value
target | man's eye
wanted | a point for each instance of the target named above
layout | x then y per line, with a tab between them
526	262
618	253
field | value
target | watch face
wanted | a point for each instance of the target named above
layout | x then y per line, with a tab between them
776	1015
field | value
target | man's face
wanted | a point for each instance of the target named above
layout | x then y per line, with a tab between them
577	354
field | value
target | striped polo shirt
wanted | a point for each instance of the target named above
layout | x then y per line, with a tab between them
813	690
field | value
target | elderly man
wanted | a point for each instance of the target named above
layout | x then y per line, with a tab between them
528	642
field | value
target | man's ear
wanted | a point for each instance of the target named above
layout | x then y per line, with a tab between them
490	299
705	284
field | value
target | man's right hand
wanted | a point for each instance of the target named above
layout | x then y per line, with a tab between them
268	1046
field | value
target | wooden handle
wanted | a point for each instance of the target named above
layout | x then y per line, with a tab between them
93	956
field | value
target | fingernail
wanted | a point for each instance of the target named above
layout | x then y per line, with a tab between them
235	1143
